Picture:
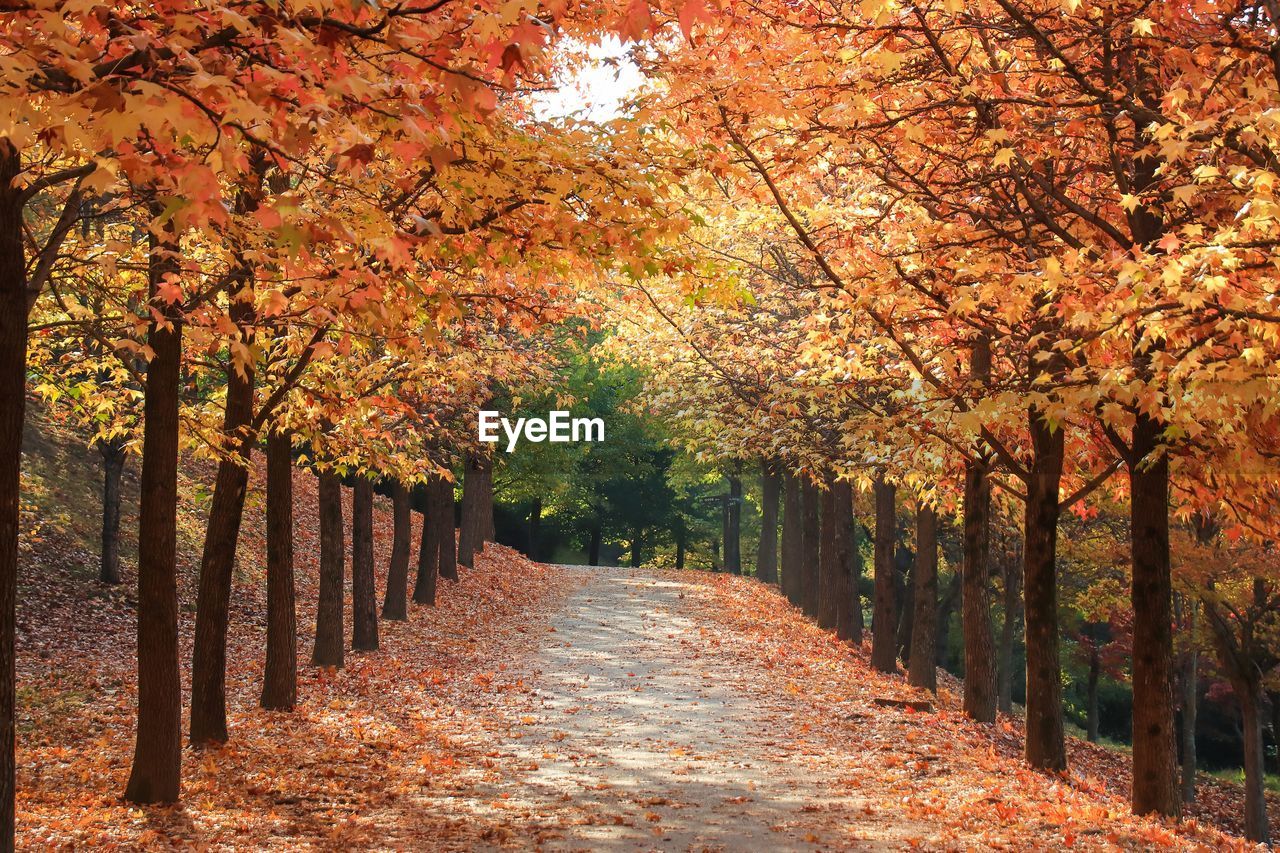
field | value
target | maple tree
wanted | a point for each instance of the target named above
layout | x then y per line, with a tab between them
1054	306
933	265
282	199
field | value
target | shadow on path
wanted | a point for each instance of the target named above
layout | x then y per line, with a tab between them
643	736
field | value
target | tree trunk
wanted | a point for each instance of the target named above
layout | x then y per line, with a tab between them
1091	693
424	585
848	565
157	756
811	542
485	531
490	523
280	679
680	550
593	546
441	516
113	457
637	546
535	529
469	525
905	595
979	657
1155	752
330	642
1010	628
828	565
792	539
13	401
395	604
1273	705
209	651
364	595
767	553
1190	707
922	671
1045	748
724	527
946	607
884	618
1256	828
1244	657
733	544
222	532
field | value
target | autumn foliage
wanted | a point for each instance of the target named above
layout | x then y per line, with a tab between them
1006	268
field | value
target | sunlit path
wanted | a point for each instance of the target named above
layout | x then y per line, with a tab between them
644	738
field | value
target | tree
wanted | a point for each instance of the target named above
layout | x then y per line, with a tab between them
767	553
884	621
330	635
395	603
157	758
922	669
280	677
364	611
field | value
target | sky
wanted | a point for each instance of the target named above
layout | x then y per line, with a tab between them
597	90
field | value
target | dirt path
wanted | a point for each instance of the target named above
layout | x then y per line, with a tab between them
645	736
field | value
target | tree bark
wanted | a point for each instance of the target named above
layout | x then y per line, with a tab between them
364	595
535	529
1155	752
469	526
922	670
733	544
979	657
1244	656
946	608
209	651
395	603
767	553
424	585
848	565
593	546
486	531
1091	693
811	539
1010	628
113	458
490	524
222	533
280	679
1045	748
905	595
1256	828
13	401
442	518
724	528
884	620
157	756
1190	708
330	641
828	564
792	539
